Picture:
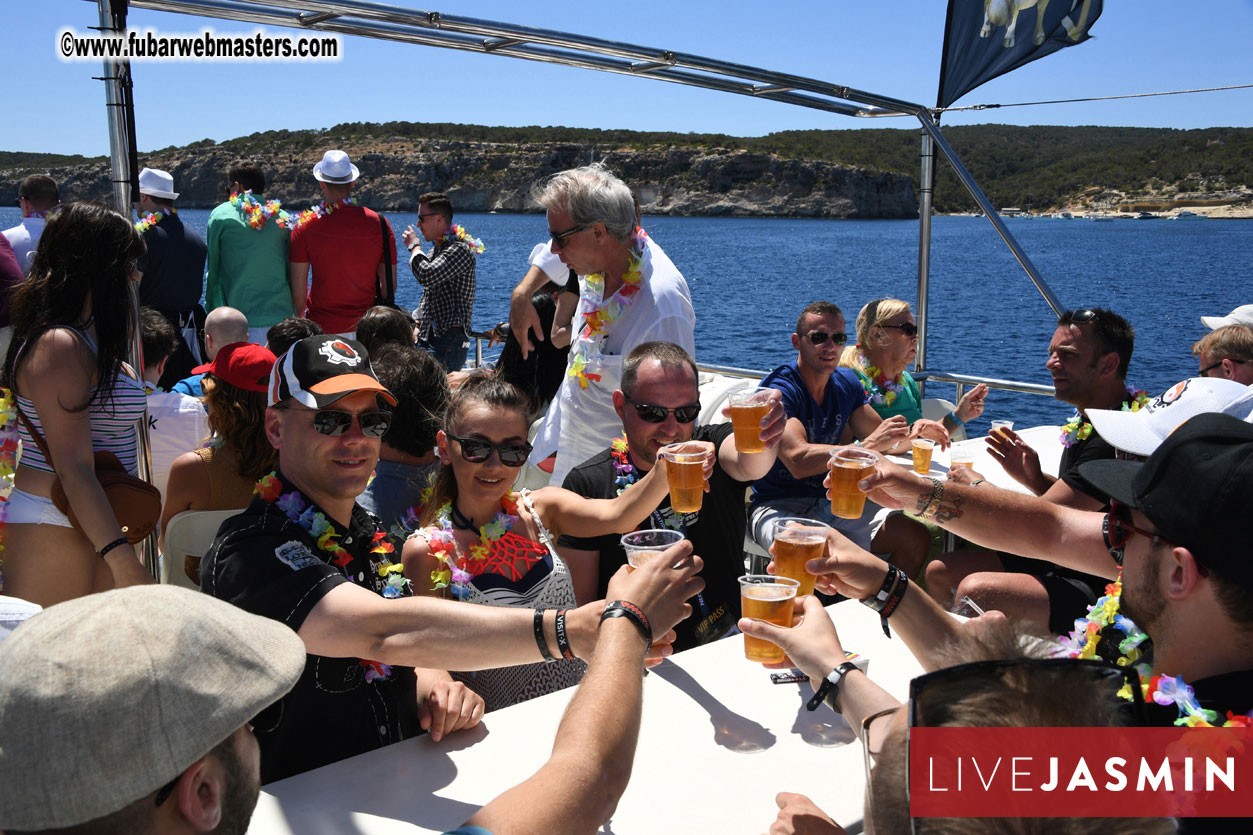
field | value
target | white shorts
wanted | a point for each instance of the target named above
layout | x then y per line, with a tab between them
28	509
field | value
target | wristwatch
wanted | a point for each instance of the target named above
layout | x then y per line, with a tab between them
830	689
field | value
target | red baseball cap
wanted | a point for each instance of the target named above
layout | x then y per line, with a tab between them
243	365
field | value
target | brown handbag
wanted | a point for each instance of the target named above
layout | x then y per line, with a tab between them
136	504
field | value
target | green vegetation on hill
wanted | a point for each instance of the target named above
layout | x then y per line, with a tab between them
29	159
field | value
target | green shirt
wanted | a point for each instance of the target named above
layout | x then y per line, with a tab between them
247	267
907	402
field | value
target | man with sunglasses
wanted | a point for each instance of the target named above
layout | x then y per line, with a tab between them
1088	359
658	405
1226	352
306	554
827	406
442	319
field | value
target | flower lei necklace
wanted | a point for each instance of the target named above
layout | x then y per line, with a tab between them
150	220
316	525
443	543
8	457
599	314
625	476
257	213
1078	429
322	209
459	233
881	389
1104	624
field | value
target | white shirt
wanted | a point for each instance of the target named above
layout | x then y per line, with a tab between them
549	263
24	239
177	424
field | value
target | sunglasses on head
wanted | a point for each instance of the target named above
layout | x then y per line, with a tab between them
657	414
821	337
908	328
334	422
477	450
1082	317
1118	528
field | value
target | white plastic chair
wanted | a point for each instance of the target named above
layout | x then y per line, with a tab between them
936	408
189	535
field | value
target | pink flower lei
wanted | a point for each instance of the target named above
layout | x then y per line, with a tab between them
459	233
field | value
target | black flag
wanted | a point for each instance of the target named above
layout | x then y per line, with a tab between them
987	38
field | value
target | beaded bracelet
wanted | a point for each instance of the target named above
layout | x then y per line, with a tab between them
563	640
633	613
117	543
540	640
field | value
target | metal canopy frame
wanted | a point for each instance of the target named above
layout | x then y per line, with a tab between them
431	28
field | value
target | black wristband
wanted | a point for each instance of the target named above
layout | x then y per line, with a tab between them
625	609
829	690
540	640
880	598
120	541
563	640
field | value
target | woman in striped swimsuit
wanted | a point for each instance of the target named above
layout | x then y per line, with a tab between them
73	324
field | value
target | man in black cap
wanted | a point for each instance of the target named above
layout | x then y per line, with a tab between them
306	554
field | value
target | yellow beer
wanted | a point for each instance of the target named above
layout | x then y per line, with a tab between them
923	449
848	467
746	422
770	599
796	542
685	473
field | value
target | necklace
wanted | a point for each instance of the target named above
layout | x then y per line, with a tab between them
599	313
150	220
459	233
1104	626
319	527
8	456
257	213
625	476
1078	429
499	550
880	387
322	209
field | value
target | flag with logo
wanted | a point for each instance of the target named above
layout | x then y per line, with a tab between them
987	38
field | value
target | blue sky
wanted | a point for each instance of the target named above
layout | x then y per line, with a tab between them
891	48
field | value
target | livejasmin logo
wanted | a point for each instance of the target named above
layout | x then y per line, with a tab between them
1080	772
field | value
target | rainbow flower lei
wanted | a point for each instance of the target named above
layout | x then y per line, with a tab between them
150	220
599	315
444	544
1078	429
1104	624
459	233
321	209
8	460
316	525
881	389
257	213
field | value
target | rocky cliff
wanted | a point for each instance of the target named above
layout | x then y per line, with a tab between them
488	176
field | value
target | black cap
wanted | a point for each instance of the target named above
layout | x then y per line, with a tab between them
318	370
1196	489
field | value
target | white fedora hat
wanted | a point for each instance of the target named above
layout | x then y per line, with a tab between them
1242	315
335	167
157	183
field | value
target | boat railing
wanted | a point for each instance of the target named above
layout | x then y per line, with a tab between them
962	381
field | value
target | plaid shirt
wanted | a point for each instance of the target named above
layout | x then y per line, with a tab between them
447	279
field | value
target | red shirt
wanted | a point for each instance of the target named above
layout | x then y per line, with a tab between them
345	249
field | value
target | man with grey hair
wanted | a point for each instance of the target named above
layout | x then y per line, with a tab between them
631	293
99	695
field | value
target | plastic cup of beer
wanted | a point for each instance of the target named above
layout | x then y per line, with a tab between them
924	448
999	427
959	458
770	598
685	473
748	409
796	542
642	546
848	466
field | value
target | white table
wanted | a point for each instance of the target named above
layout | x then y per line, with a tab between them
717	742
1044	439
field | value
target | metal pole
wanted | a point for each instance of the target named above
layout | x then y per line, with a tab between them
926	184
117	76
995	219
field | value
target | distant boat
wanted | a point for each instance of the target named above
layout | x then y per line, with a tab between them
1099	218
1148	216
1186	215
1064	216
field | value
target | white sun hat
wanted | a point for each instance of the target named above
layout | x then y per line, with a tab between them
335	167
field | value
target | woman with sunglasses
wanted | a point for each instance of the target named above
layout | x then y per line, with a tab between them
887	342
73	324
221	475
482	543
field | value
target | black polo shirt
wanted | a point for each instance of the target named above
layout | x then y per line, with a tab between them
269	565
716	532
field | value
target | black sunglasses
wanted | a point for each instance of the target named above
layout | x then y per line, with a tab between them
1207	369
334	422
657	414
908	328
477	450
1117	528
430	214
558	237
821	337
1082	317
929	709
